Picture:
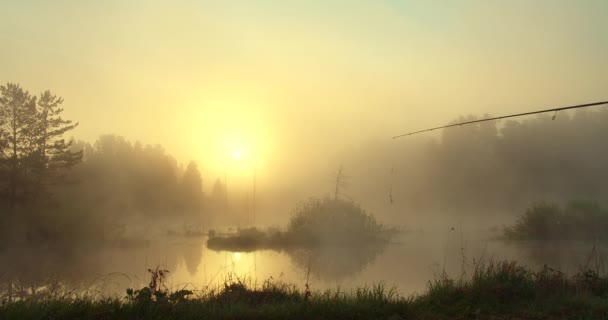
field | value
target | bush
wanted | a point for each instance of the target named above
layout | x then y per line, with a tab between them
336	221
578	220
315	222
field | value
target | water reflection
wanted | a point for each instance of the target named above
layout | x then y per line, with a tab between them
567	256
335	263
408	264
192	254
94	270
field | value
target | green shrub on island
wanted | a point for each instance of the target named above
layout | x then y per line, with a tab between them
314	222
336	221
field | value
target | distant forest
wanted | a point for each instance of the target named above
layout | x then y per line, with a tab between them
58	189
490	169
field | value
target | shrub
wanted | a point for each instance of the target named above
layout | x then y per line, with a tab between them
578	220
334	221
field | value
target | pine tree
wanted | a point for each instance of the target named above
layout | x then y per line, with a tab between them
54	153
192	186
218	191
3	143
33	151
17	111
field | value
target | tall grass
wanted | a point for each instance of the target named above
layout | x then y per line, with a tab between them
497	290
508	288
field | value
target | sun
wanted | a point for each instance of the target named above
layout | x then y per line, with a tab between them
237	256
237	155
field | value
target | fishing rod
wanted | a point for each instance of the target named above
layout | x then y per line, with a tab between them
507	116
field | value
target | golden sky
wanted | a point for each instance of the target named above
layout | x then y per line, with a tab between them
290	82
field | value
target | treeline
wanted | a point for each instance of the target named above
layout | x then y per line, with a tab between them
492	169
129	178
58	189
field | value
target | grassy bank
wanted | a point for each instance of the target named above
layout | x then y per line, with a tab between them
493	291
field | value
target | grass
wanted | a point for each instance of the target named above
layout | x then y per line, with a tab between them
502	290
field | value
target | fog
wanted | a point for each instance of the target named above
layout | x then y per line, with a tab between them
168	121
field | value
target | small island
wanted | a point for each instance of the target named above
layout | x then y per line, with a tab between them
315	223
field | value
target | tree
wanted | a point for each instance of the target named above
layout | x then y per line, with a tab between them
192	187
192	181
3	142
54	153
33	151
218	194
17	111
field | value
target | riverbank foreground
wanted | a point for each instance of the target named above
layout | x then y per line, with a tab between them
501	290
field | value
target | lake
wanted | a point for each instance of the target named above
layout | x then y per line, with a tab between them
408	264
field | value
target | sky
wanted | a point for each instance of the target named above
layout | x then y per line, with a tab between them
289	84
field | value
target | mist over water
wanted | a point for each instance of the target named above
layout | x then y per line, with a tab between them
398	213
408	264
254	142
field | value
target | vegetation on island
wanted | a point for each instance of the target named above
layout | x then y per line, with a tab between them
314	223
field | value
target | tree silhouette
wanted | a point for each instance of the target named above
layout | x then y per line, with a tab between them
33	149
192	187
54	152
17	110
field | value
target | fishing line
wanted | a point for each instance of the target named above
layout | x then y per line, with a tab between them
390	190
593	104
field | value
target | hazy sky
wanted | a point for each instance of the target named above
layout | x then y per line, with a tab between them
290	82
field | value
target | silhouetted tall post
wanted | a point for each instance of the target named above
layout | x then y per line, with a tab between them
338	184
253	204
225	191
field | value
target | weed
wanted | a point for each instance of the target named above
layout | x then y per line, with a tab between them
496	290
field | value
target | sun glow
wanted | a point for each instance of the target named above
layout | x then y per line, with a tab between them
232	133
237	256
